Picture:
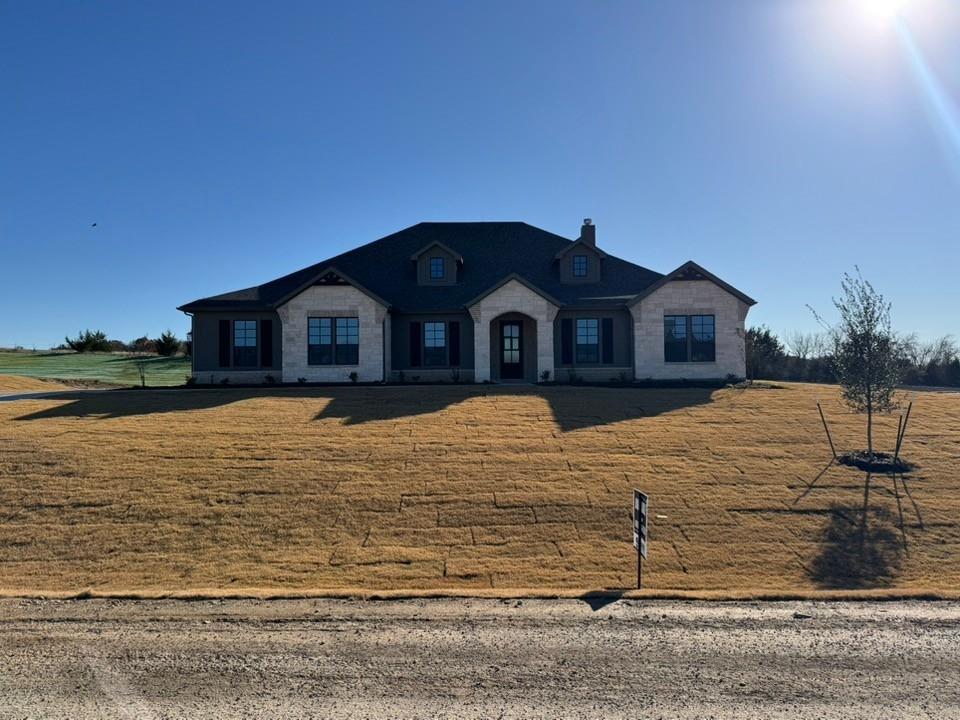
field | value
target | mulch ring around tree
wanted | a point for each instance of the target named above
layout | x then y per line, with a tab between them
880	462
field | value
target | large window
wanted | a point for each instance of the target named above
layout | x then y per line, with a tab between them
689	338
437	269
435	343
333	341
579	265
244	343
588	340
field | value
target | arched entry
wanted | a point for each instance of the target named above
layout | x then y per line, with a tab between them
513	348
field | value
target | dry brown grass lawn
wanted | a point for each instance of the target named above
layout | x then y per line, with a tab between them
17	383
468	488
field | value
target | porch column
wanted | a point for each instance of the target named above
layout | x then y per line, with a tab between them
545	353
481	345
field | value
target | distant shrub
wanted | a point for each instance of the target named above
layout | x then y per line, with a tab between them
143	345
88	341
353	376
167	344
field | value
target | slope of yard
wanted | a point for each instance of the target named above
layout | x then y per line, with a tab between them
468	489
20	383
107	368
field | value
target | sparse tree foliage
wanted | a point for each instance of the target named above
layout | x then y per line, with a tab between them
864	354
87	341
167	344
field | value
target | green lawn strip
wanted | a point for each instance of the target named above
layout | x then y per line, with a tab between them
113	368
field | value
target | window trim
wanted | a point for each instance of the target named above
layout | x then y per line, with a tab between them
255	348
425	349
586	265
577	344
689	340
442	261
333	344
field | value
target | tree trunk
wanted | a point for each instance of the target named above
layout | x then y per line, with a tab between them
869	424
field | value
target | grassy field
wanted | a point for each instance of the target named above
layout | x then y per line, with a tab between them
108	368
468	489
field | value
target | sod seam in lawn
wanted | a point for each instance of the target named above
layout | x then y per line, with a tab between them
469	489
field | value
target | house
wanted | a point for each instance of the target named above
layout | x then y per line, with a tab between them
473	301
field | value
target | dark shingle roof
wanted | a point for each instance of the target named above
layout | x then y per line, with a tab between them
491	251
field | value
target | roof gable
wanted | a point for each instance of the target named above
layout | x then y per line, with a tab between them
691	271
436	243
510	278
580	244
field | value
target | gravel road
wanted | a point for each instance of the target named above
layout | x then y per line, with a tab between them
478	659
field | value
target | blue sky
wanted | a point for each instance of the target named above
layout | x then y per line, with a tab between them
217	146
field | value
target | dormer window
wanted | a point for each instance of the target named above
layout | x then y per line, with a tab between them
437	268
579	265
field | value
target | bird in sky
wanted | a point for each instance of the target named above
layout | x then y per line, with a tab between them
94	225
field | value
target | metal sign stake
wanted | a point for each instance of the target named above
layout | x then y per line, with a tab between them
640	511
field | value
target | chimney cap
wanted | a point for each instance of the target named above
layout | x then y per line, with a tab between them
587	221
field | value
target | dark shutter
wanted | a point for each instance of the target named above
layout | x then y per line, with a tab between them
224	343
606	340
566	341
454	342
266	343
415	349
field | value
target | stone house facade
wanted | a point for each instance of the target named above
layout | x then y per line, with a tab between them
475	302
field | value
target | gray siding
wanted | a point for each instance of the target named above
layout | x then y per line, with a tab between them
593	266
400	338
206	337
449	263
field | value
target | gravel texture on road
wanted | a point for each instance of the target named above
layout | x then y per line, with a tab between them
478	659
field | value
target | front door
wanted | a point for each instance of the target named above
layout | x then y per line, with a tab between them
511	350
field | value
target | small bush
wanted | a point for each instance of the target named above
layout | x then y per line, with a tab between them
88	341
353	377
191	380
167	344
302	380
455	375
270	379
545	376
225	381
401	377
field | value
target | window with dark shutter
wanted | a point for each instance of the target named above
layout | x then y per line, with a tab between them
415	344
453	328
566	341
606	340
266	343
224	343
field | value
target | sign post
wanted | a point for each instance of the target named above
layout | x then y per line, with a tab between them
640	505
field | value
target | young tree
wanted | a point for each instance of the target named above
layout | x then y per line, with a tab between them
865	354
87	341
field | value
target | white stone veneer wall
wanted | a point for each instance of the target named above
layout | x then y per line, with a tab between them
512	297
332	301
689	297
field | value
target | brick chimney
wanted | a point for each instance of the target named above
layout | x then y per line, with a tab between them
588	233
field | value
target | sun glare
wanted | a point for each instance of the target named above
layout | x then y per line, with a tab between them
882	11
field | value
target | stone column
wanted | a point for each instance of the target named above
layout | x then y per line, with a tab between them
481	345
545	354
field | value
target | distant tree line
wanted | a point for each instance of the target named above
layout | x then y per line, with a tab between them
167	344
810	357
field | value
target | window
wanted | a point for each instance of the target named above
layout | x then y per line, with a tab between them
703	347
244	343
689	338
579	265
347	341
333	341
437	269
434	343
588	340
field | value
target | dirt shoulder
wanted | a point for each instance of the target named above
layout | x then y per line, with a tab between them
479	659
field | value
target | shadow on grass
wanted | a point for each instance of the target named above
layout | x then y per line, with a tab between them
862	545
571	408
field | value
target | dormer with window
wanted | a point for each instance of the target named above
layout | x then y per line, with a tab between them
581	262
437	264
